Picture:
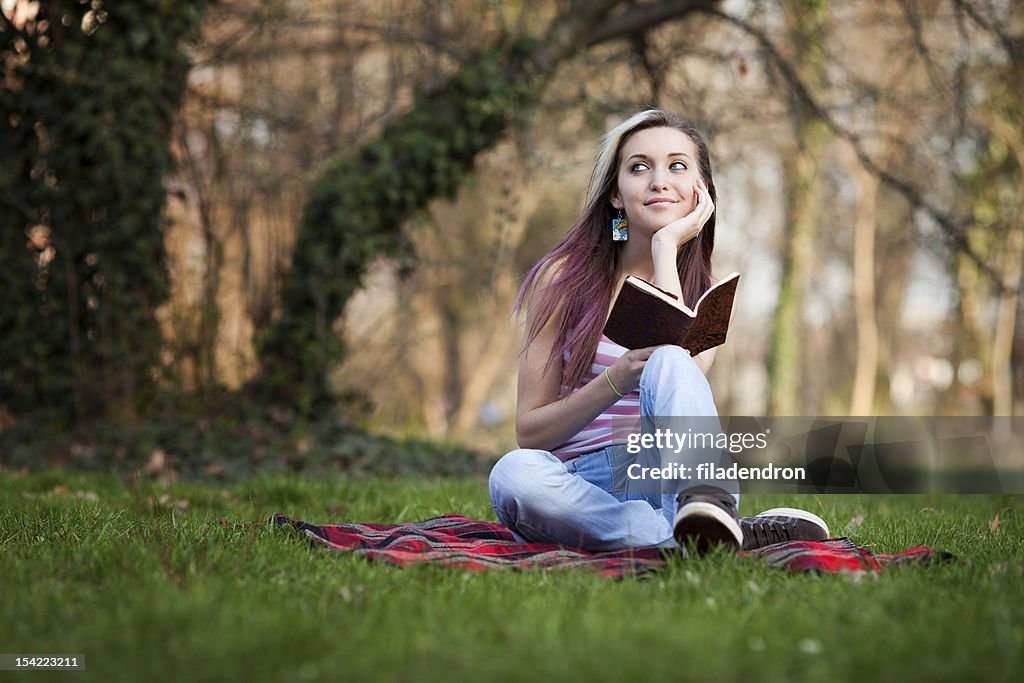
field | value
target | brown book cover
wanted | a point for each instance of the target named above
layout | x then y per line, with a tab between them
644	315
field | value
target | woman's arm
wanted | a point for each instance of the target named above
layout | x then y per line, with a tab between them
543	420
666	243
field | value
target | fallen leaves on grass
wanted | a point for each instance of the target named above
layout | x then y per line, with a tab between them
156	463
166	501
996	569
60	490
348	594
159	466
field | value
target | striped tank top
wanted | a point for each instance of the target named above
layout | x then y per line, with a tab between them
615	423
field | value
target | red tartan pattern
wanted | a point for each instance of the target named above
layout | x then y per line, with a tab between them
474	545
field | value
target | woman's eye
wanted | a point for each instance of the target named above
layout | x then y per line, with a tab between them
678	166
639	166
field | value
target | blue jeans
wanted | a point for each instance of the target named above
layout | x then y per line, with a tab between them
542	499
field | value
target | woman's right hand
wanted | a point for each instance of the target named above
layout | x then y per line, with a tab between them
625	372
680	231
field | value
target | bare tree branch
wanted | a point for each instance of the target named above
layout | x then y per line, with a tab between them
1011	44
566	32
639	18
654	73
914	21
953	227
384	33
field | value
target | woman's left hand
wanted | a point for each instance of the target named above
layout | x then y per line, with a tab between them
682	230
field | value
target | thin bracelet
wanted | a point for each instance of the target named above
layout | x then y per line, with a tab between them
612	384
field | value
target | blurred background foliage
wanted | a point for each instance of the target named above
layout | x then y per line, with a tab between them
89	100
255	231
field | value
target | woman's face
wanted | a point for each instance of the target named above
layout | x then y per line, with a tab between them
658	171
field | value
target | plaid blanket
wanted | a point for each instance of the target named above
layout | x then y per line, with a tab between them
457	541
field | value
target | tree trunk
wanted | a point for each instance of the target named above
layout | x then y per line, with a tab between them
862	401
1006	324
501	336
806	26
1006	317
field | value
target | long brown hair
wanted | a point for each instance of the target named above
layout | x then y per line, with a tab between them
586	263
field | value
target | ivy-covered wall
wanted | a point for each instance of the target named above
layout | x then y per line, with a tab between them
87	101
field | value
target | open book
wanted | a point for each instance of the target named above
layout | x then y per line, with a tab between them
644	315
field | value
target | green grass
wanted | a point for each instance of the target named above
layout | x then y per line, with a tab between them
188	582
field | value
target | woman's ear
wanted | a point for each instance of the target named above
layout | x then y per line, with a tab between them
616	201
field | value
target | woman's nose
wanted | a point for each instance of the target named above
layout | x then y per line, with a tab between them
658	181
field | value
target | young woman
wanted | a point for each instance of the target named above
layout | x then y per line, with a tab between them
649	212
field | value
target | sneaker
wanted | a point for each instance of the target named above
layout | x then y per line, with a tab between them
779	525
706	516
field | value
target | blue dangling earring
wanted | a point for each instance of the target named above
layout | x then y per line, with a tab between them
620	228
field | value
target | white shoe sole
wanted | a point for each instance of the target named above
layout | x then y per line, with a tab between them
799	514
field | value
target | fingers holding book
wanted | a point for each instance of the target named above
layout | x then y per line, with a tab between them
625	372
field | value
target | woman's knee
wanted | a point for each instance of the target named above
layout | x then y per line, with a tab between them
672	384
672	362
516	483
672	356
516	470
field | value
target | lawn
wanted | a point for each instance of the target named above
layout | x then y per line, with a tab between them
187	581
